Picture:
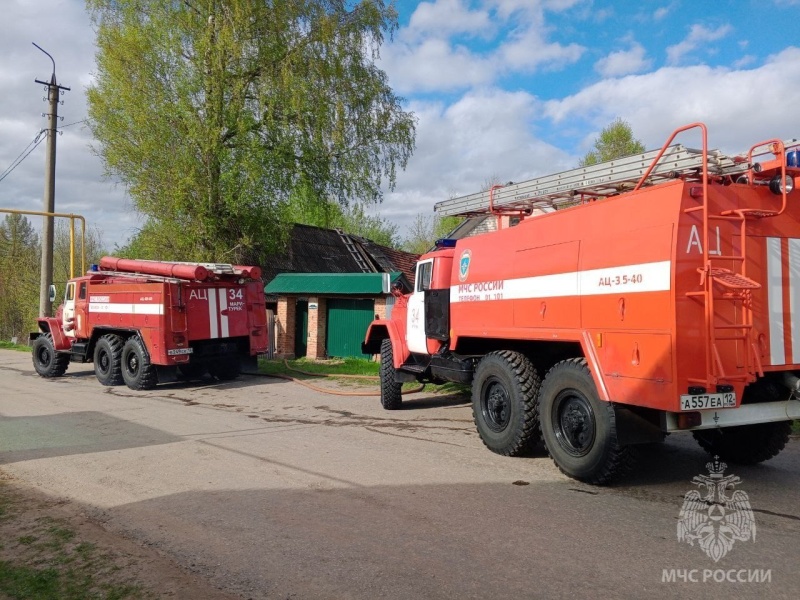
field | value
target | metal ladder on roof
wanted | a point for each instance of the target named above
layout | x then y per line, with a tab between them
549	192
357	256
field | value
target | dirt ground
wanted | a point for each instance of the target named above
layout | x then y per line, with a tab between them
42	532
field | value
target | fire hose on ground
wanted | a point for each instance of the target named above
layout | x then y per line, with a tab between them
324	390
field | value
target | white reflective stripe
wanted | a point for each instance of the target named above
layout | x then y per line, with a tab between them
794	295
122	308
212	315
639	278
223	305
777	353
543	286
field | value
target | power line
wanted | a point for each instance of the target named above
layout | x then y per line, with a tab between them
74	123
23	155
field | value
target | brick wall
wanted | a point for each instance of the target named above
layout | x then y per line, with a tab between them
285	320
380	307
317	328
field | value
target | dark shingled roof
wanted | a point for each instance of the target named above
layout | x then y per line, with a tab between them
317	250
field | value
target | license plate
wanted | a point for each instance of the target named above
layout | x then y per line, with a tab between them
179	351
704	401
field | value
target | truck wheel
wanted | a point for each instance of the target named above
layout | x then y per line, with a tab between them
578	428
108	360
750	444
745	444
225	369
46	361
391	396
137	371
504	402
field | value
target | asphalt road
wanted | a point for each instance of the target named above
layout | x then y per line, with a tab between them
271	490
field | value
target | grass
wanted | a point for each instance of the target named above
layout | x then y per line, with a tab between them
11	346
335	366
49	561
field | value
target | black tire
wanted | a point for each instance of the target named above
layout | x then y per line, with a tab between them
750	444
746	444
190	371
504	407
137	371
108	360
46	361
578	429
391	395
226	368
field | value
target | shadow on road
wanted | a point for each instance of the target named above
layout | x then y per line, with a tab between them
48	436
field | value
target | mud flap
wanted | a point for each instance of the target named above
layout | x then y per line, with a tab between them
636	425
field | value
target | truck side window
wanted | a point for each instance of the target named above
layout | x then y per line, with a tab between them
70	291
82	291
424	276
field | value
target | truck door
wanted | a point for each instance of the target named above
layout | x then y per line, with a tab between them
69	310
415	327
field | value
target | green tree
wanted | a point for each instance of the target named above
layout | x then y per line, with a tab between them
305	208
94	252
615	141
426	229
213	112
19	277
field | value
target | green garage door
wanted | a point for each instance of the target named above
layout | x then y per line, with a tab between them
347	325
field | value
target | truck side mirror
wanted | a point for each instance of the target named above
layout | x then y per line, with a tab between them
52	293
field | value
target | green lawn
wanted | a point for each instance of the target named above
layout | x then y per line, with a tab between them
9	346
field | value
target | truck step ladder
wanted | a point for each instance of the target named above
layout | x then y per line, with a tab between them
732	285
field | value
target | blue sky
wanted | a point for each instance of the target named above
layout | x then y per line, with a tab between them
502	89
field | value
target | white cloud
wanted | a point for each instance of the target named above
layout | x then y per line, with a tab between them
429	56
698	36
660	13
528	50
487	133
740	107
623	62
745	61
446	17
434	65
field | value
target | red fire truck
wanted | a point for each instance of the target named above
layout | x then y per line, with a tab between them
615	304
142	322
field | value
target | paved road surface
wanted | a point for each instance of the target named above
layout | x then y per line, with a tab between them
271	490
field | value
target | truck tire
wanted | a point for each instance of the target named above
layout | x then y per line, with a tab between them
745	444
504	405
225	369
46	361
579	429
108	360
391	395
750	444
137	371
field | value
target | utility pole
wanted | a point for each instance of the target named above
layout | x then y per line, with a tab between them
53	92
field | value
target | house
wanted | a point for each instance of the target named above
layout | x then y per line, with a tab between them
328	287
